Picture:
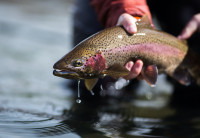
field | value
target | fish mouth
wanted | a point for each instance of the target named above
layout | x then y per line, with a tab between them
66	74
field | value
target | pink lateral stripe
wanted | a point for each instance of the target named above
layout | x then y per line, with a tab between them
150	48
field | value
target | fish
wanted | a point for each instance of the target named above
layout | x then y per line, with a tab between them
106	53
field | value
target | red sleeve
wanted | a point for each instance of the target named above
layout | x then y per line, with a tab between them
108	11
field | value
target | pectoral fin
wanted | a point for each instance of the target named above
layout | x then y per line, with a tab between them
90	83
117	71
150	74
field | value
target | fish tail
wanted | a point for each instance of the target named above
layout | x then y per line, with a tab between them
195	73
189	69
194	67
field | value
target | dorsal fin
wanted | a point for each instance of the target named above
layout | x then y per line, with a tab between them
145	21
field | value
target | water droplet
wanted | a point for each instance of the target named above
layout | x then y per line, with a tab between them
92	93
101	87
79	88
102	92
153	85
120	83
78	100
91	75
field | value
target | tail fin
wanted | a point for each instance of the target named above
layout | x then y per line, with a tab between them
193	64
195	73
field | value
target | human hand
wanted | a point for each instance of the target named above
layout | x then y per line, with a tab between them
192	26
129	23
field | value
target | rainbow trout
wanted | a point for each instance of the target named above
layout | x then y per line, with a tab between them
106	53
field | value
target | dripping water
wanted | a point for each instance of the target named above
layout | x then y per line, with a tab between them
101	87
92	93
78	100
102	93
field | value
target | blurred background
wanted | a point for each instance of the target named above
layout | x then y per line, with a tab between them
34	34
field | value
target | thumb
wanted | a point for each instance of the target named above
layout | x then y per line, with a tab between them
128	22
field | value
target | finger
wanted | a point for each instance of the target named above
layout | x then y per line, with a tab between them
191	27
135	70
128	22
129	65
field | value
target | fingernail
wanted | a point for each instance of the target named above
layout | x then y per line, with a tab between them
137	65
129	65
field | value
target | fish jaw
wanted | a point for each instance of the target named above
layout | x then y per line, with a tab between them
60	70
74	73
66	74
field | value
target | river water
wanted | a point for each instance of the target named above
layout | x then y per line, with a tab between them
34	34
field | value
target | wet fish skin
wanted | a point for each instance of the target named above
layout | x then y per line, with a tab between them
106	53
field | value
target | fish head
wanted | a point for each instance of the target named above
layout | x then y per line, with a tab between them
83	62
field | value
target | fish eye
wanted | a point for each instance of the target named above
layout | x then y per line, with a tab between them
77	62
